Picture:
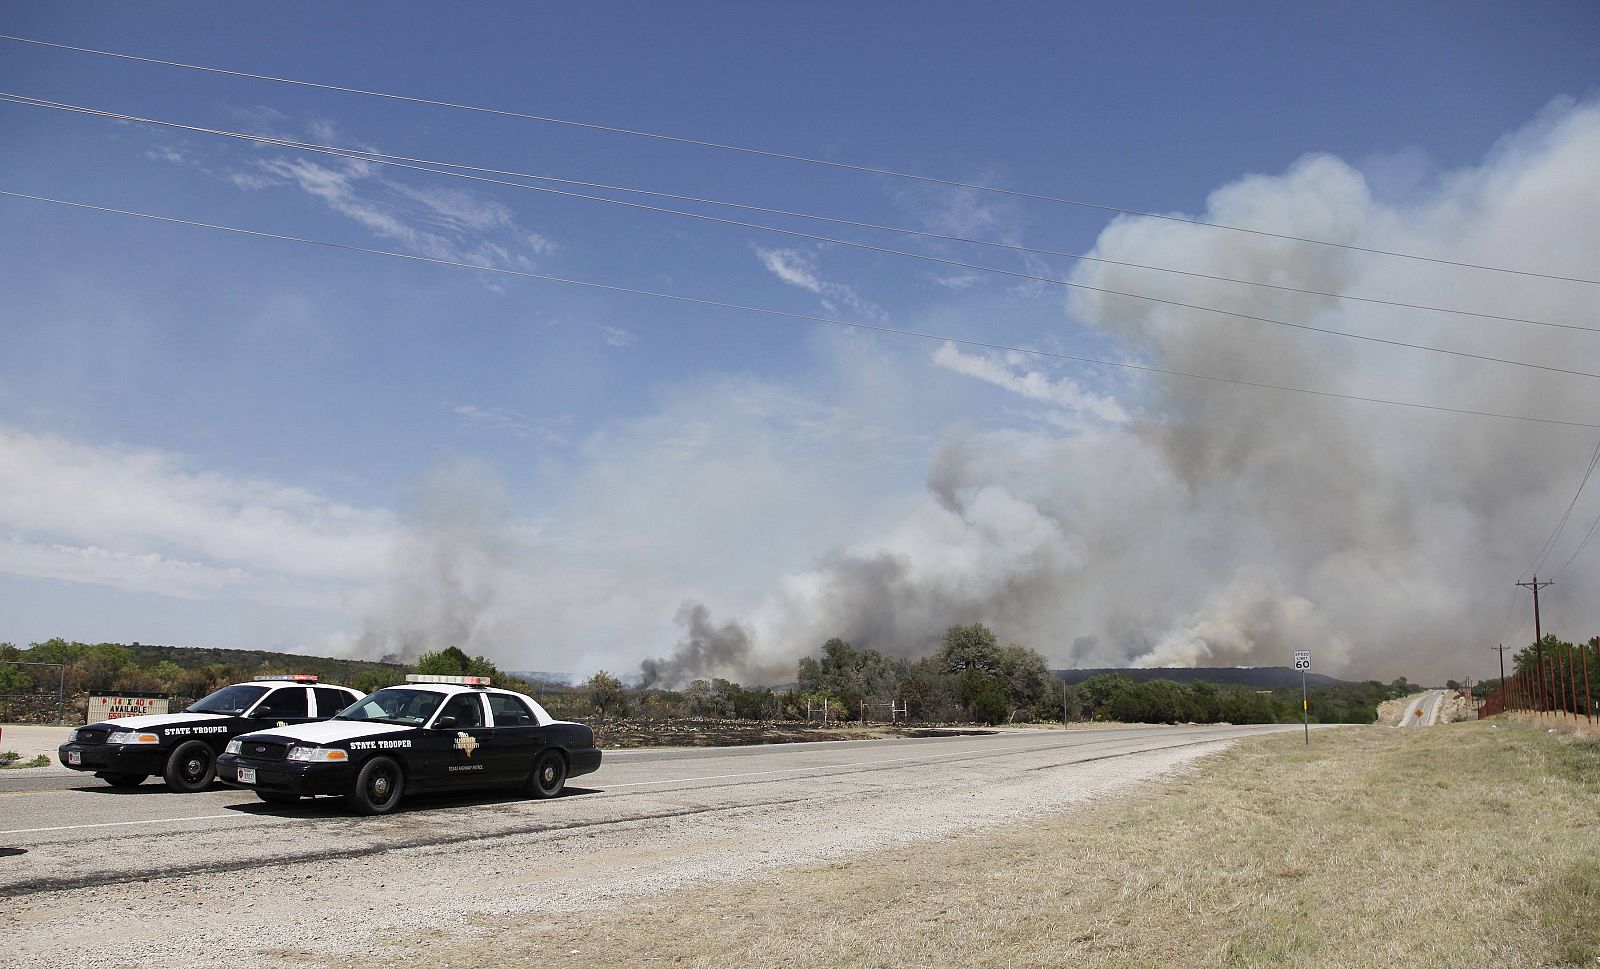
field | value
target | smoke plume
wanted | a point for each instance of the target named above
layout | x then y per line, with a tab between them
1102	519
447	578
706	650
1219	525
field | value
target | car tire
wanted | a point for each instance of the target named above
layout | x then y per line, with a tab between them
277	797
126	780
549	775
191	767
377	787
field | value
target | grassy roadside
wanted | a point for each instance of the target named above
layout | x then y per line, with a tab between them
1472	844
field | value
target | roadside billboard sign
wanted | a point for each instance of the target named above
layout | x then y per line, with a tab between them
114	706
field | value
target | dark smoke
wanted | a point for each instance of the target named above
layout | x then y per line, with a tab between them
705	650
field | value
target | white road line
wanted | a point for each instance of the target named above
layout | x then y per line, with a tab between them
113	824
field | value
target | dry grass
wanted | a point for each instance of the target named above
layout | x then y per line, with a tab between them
1468	845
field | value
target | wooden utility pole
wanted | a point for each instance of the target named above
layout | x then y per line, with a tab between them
1501	649
1538	631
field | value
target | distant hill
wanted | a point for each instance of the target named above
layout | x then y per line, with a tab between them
1255	677
548	678
257	661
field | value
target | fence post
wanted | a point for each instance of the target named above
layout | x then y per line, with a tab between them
1589	697
1572	685
1561	688
1544	687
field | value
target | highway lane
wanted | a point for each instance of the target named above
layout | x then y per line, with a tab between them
1423	711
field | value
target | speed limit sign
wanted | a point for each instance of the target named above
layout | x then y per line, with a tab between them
1302	662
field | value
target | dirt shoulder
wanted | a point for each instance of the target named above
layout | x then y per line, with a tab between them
1271	854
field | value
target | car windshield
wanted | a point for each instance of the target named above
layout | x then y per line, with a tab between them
395	705
230	700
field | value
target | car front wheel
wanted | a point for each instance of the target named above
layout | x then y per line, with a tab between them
549	775
378	786
192	767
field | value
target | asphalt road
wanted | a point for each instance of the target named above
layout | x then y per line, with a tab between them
69	842
1423	710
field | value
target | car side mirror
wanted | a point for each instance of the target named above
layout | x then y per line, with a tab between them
445	723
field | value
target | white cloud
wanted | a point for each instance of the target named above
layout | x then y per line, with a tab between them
1033	384
546	430
799	269
458	209
616	336
146	520
442	221
168	153
130	571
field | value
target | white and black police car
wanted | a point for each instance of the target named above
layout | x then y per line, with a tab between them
435	733
183	747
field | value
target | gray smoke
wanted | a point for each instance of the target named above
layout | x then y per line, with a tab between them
706	650
447	579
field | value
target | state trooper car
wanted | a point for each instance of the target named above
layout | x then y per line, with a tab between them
183	747
435	733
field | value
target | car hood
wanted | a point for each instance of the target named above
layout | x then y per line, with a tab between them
332	731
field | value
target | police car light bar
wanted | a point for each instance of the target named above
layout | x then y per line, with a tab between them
455	680
291	677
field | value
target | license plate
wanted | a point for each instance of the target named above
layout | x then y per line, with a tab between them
247	775
74	757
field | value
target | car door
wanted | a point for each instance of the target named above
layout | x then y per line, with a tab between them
462	755
518	738
287	705
330	701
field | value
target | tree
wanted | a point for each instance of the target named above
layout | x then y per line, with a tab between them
607	694
851	675
969	647
985	696
451	661
13	678
929	692
371	681
1030	687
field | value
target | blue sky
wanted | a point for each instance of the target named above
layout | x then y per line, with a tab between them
309	398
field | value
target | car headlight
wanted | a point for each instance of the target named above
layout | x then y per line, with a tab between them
132	737
234	746
318	755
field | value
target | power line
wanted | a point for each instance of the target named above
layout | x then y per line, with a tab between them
786	156
376	156
851	324
1550	543
1594	526
383	160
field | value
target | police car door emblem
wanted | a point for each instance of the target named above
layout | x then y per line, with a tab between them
466	743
